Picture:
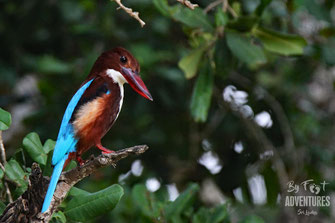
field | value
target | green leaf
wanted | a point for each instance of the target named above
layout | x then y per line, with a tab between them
163	7
245	49
85	208
222	57
75	191
5	119
184	201
51	65
2	207
58	217
320	11
48	146
202	94
1	173
14	172
189	63
280	43
262	5
218	214
146	201
201	216
221	18
192	18
252	219
243	23
32	144
48	169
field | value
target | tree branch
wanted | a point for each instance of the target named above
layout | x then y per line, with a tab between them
188	4
27	207
130	12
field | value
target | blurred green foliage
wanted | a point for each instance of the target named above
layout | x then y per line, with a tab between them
211	72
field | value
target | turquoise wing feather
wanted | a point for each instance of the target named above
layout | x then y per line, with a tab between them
66	143
66	140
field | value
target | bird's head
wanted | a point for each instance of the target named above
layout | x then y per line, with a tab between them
122	67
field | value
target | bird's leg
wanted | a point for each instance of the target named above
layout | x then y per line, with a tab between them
80	160
103	149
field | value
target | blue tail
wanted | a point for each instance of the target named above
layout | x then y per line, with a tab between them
53	183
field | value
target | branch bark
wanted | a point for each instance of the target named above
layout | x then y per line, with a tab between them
188	4
28	206
130	12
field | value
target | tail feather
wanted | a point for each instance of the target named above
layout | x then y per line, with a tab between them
53	183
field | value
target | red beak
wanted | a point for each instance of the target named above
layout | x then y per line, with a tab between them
136	82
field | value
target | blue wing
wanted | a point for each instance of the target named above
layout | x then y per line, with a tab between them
66	140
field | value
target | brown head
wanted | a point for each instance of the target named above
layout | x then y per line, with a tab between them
112	63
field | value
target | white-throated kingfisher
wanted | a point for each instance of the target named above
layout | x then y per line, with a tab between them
93	109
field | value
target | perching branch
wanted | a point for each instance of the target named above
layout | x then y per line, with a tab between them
130	12
27	207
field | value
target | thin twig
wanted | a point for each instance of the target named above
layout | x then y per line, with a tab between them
3	163
225	7
130	12
188	4
230	9
2	150
212	5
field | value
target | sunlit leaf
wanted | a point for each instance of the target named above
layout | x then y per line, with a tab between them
202	93
85	208
245	49
280	43
5	119
190	63
32	144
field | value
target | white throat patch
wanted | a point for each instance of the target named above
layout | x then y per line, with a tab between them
120	80
116	76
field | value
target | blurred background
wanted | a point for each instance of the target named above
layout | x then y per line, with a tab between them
243	94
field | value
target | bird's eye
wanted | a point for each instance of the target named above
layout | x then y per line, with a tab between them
123	59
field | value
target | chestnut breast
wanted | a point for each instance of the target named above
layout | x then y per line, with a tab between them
94	118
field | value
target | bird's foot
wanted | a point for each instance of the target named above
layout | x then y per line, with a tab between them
80	161
104	150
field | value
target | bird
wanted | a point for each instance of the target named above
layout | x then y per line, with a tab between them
93	109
